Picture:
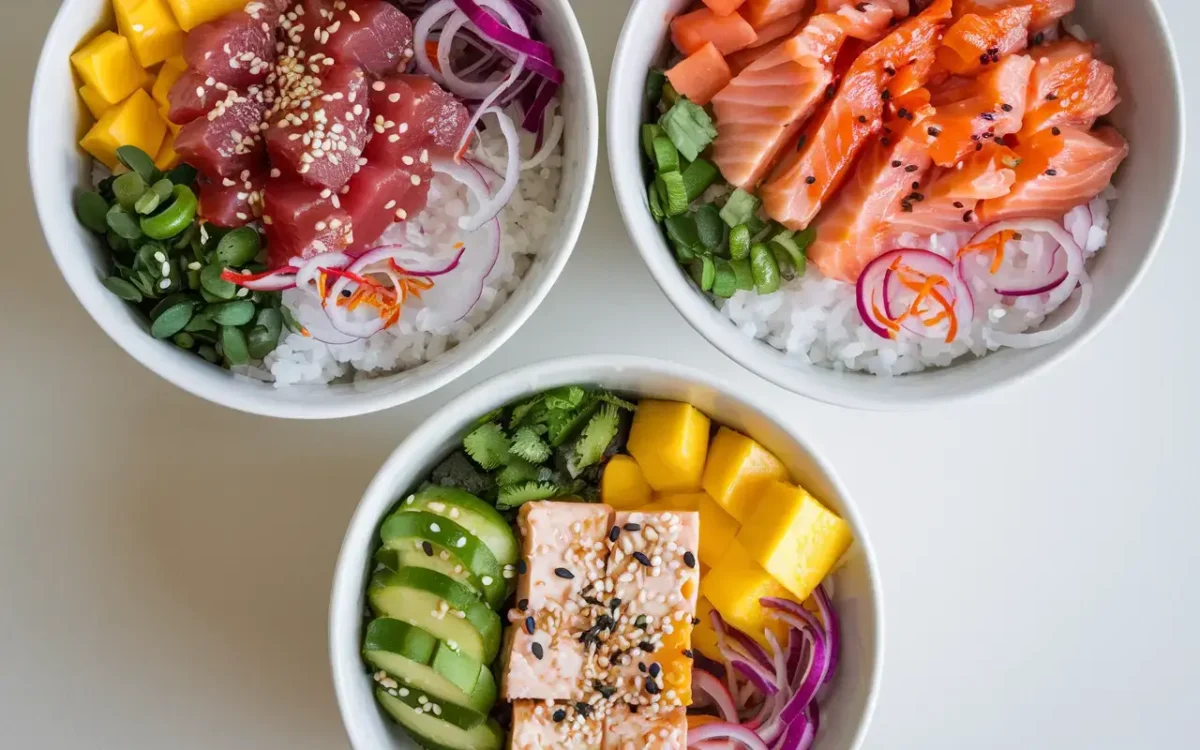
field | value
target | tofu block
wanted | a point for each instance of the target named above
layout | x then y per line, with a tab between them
133	122
167	158
107	65
150	28
795	538
737	472
734	586
564	555
623	485
94	102
669	439
645	729
534	728
168	74
191	13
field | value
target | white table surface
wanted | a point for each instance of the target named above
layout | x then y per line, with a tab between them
165	564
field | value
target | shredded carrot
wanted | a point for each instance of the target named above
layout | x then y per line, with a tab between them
994	244
431	47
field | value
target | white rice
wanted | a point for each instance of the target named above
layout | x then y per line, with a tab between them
815	320
417	338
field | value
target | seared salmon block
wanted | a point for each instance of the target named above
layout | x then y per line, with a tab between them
665	729
545	725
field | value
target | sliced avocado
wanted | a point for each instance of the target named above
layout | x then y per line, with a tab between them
410	530
432	733
395	559
417	595
457	716
473	514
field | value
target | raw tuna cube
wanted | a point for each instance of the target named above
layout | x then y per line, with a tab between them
368	33
380	196
226	141
191	97
235	49
320	135
268	11
411	114
232	202
302	221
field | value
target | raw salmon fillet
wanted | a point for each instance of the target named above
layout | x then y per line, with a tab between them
1082	168
1045	12
763	108
1069	86
973	42
762	12
947	198
806	178
973	111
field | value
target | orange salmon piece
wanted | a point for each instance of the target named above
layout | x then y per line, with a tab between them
1045	12
949	197
980	109
1082	168
973	42
1069	87
700	75
690	31
724	7
899	8
806	178
762	12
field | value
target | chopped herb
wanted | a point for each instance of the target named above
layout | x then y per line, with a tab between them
689	127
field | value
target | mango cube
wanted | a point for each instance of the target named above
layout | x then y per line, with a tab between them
167	158
172	68
717	529
133	122
795	538
670	442
704	638
192	13
734	586
738	468
95	103
623	486
150	28
674	502
107	65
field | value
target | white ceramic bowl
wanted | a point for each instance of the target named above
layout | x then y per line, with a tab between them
847	710
1134	37
59	169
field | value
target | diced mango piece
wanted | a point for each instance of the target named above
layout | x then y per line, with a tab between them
734	587
676	666
623	486
108	66
95	103
664	502
794	537
699	720
192	13
167	158
704	638
717	529
150	28
133	122
168	74
669	439
737	470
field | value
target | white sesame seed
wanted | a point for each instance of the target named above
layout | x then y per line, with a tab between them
164	284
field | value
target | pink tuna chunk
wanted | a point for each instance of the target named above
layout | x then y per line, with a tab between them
412	114
368	33
379	196
226	141
236	49
302	221
232	203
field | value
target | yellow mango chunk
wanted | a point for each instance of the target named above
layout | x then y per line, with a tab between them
717	529
737	470
167	158
192	13
168	74
664	502
676	666
669	439
734	586
795	538
704	638
133	122
150	28
107	65
623	486
95	103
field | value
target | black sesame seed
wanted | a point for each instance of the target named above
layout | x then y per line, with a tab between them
902	113
530	625
695	620
1051	97
885	95
906	206
564	573
967	216
689	559
1039	38
993	50
614	533
810	179
978	146
592	601
984	58
1006	107
958	204
607	691
641	666
614	603
583	709
862	118
916	185
522	567
604	622
633	527
1056	131
800	143
896	163
688	653
890	70
911	168
559	716
934	132
646	646
1051	172
885	141
633	708
641	557
652	687
655	669
428	548
988	116
523	605
1017	236
536	648
830	90
640	622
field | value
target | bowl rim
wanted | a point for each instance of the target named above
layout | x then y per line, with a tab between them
829	386
231	393
378	498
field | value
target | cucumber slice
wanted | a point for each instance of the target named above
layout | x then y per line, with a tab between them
457	716
431	733
666	156
672	189
411	529
473	514
432	602
419	660
417	557
697	177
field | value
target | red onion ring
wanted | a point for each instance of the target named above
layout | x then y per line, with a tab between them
721	730
709	685
514	35
873	291
1027	282
267	281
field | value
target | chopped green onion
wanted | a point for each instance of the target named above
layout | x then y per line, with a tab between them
669	95
666	156
698	176
689	127
709	227
739	242
724	279
682	230
764	268
704	272
743	273
650	131
654	86
673	193
739	208
683	253
655	204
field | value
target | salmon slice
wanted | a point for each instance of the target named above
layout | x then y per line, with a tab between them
744	58
806	178
769	37
762	12
1045	12
723	7
762	109
1077	173
690	31
899	8
973	111
975	41
849	231
1069	87
948	198
700	75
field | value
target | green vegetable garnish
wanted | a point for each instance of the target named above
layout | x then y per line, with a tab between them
650	131
517	471
739	208
173	219
666	156
689	127
517	495
237	248
599	432
709	227
739	242
234	346
743	275
139	162
673	193
703	272
655	204
669	95
697	178
92	210
128	188
724	280
764	268
567	397
655	80
487	445
682	230
527	444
